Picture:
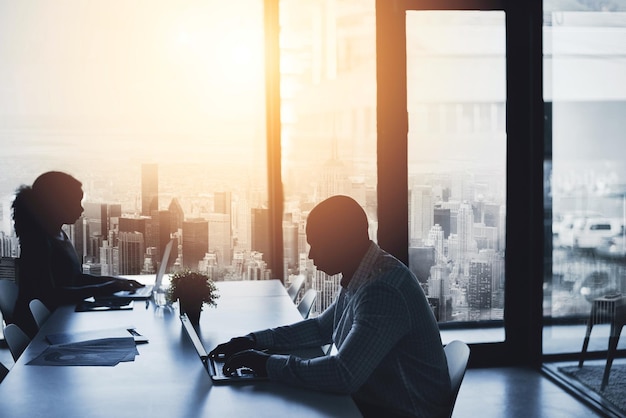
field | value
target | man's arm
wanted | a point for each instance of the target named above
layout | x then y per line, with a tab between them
313	332
244	351
380	322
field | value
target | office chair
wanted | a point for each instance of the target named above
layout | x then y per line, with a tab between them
16	339
40	312
306	303
8	296
457	356
3	372
611	309
294	288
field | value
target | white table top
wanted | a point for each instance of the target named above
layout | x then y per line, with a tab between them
167	378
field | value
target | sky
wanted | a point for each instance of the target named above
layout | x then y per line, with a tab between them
135	66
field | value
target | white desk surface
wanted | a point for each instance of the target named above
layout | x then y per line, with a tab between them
167	378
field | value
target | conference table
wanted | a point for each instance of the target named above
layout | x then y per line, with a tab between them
167	378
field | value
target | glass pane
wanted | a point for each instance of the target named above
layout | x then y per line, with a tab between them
328	116
100	88
456	74
584	55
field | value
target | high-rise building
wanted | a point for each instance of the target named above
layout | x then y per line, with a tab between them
149	188
133	224
178	216
260	233
479	289
241	225
131	252
220	237
290	243
6	222
334	179
327	288
465	231
9	245
439	288
8	268
436	240
195	241
421	259
109	259
222	202
420	214
441	217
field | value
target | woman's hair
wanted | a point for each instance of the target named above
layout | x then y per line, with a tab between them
49	192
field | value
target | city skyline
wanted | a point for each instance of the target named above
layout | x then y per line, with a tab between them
210	201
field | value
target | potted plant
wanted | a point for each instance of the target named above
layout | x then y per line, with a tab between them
192	290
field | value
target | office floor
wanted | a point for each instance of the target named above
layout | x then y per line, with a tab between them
516	392
494	392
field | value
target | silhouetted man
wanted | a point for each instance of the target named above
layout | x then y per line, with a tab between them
389	352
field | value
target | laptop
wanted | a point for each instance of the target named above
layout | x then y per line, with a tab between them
146	291
214	366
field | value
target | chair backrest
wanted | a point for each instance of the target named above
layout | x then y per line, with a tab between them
3	371
40	312
295	286
306	303
8	296
457	356
16	339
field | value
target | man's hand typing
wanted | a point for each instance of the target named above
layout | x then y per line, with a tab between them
235	345
252	359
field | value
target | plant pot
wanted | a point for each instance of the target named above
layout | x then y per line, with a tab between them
192	309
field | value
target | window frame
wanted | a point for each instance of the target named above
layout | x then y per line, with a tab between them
524	158
524	201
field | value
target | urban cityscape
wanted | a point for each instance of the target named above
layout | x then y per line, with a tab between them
456	246
173	146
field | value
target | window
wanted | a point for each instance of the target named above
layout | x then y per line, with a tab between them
585	91
100	88
584	69
457	175
328	102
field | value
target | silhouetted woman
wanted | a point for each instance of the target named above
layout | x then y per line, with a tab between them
49	268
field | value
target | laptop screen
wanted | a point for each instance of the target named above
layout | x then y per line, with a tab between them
193	336
163	266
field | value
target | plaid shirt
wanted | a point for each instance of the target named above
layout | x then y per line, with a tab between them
389	348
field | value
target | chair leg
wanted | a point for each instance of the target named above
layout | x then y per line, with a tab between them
613	339
583	352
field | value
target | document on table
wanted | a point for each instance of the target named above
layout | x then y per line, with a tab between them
97	352
95	334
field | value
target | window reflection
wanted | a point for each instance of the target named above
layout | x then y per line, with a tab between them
457	159
585	88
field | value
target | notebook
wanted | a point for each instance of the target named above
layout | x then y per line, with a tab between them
146	291
214	366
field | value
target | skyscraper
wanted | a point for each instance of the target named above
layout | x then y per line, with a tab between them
290	243
131	252
177	213
222	202
479	289
421	214
195	241
220	237
149	188
465	230
260	233
441	217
